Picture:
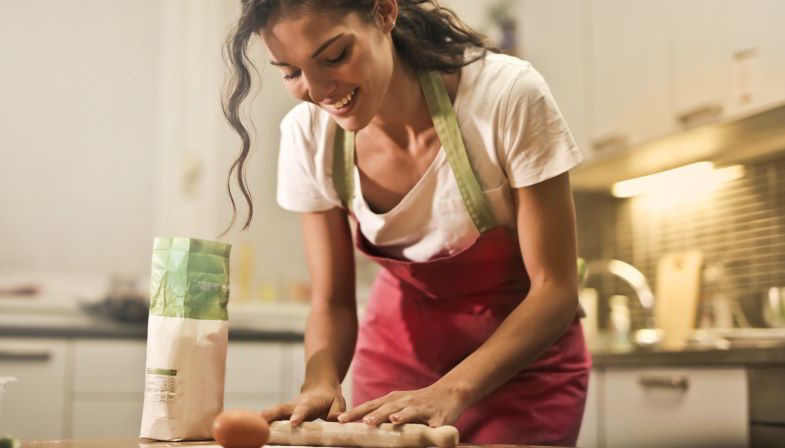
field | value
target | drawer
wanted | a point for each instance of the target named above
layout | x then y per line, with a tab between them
115	366
35	406
676	407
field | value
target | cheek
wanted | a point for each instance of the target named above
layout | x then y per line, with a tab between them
297	91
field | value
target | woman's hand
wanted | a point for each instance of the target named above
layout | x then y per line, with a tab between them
435	405
319	401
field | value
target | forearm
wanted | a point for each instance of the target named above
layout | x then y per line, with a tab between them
525	334
330	336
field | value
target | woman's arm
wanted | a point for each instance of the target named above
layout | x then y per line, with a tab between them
546	229
546	234
331	329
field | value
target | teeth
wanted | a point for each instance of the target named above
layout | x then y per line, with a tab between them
344	101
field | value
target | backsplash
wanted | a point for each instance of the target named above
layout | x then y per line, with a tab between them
741	224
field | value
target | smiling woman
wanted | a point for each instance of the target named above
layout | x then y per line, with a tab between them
452	160
425	36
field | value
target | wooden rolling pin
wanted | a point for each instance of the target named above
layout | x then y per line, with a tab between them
387	435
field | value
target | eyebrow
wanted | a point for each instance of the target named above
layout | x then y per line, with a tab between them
315	53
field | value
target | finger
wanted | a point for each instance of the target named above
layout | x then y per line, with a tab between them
337	407
409	414
278	412
358	412
382	414
300	413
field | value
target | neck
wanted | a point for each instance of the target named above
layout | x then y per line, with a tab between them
404	112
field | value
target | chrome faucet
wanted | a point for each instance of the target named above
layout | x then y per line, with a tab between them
635	278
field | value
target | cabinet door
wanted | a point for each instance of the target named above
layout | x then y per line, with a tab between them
701	62
757	48
110	416
629	74
107	388
35	406
109	367
554	41
254	367
675	407
589	435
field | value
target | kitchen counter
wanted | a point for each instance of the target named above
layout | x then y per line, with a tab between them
143	443
284	322
751	355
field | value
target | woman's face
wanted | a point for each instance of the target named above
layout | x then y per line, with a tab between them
339	62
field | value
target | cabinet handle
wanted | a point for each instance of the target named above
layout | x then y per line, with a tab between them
609	143
678	382
12	354
701	115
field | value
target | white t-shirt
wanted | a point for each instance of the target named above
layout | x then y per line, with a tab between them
514	134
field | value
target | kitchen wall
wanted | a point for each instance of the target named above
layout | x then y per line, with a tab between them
112	133
741	225
78	106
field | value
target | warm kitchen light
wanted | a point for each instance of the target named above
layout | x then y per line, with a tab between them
696	176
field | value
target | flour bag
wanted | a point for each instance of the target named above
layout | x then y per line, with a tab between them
187	338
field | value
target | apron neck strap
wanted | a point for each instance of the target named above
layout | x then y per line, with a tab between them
446	125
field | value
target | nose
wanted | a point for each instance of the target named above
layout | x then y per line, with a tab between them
319	88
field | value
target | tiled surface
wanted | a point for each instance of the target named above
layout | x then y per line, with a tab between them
742	225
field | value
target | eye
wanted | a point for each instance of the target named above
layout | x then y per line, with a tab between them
294	75
340	57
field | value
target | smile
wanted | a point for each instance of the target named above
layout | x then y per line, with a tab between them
342	104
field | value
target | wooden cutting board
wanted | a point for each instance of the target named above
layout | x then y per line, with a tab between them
676	295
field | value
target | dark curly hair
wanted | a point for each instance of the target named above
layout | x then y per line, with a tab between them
427	36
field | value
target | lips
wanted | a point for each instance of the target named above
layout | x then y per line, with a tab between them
337	106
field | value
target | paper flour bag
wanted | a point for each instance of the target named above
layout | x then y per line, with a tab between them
187	337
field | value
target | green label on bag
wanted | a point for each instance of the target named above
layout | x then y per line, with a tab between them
164	372
189	278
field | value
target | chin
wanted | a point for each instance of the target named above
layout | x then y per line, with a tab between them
352	124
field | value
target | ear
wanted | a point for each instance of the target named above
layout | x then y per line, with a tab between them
386	13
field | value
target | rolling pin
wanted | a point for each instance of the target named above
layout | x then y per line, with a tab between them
387	435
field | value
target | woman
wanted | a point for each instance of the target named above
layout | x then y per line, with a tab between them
452	160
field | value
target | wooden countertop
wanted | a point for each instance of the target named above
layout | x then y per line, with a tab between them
144	443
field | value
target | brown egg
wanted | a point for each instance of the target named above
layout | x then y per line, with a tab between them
240	429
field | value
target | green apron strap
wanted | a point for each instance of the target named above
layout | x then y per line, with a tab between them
447	127
343	165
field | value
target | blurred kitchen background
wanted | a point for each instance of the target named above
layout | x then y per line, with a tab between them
112	133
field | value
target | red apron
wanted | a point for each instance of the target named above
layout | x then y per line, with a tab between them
423	318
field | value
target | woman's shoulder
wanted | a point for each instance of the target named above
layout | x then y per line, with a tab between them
305	119
495	77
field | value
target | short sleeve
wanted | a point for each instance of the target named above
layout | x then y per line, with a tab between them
538	145
298	189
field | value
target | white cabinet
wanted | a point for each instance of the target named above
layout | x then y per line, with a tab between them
108	388
589	437
108	383
675	407
701	60
553	40
254	374
629	78
757	46
106	417
35	406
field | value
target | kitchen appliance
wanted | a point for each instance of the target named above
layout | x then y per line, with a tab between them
774	307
